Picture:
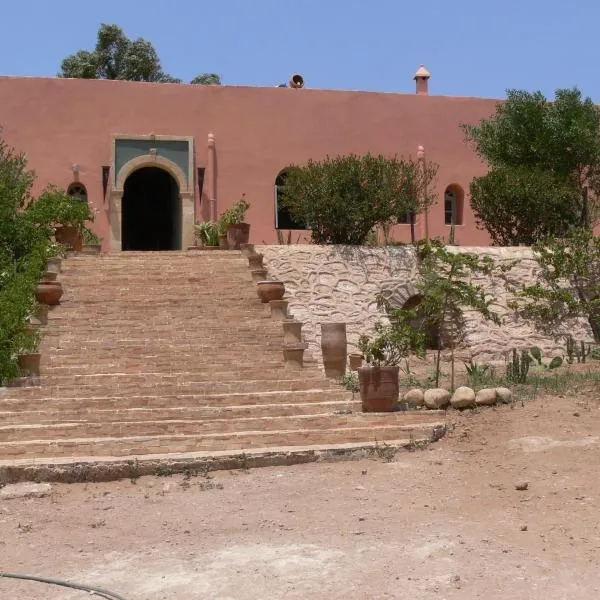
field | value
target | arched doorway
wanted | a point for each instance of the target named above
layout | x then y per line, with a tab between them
151	211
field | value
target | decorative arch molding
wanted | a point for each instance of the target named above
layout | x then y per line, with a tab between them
152	160
186	194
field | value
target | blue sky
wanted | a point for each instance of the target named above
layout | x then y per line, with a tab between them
471	47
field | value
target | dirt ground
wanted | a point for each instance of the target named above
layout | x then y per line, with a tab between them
445	522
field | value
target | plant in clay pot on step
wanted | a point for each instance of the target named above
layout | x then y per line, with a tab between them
383	351
92	244
232	225
207	233
67	215
28	358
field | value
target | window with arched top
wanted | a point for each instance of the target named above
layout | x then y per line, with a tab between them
77	190
454	198
283	218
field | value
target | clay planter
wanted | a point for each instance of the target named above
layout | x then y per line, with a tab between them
29	364
237	234
379	388
270	290
223	241
48	292
334	349
255	261
68	236
355	360
247	250
54	264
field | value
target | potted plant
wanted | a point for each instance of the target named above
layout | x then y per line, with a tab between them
232	225
28	359
92	244
382	352
207	233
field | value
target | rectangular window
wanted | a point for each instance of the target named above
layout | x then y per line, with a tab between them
405	219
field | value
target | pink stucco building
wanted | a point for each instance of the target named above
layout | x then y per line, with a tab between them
155	158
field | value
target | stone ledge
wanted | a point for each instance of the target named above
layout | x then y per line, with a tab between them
88	469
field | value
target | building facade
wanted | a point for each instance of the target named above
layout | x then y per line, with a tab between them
153	159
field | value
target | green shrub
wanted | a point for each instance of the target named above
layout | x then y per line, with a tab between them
343	198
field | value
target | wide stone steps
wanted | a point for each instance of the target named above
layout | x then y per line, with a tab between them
354	430
28	415
172	354
57	431
62	402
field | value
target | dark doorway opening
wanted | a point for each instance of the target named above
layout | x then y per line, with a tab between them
151	211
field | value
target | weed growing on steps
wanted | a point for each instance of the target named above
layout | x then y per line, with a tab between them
385	452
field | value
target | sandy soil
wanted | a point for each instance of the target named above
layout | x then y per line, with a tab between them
444	522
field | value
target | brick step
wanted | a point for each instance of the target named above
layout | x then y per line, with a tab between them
53	402
146	377
160	444
23	415
193	365
307	382
117	429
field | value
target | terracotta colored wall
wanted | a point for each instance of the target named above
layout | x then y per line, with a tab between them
258	131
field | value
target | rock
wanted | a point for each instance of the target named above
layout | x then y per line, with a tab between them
485	397
25	490
521	486
523	527
414	398
504	395
436	398
463	397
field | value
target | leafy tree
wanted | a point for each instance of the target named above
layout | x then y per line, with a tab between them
531	144
118	57
207	79
445	290
568	283
344	198
519	205
26	227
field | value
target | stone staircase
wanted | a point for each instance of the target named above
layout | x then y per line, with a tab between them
157	355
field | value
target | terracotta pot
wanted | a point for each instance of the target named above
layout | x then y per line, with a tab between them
255	261
223	241
355	360
48	292
69	237
237	234
54	264
270	290
379	388
29	364
334	348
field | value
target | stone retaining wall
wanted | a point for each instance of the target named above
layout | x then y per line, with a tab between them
327	284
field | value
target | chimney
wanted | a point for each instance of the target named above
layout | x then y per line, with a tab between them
422	78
